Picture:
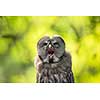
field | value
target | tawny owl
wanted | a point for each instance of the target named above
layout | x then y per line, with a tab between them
53	63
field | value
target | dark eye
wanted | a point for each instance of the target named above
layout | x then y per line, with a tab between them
45	44
56	44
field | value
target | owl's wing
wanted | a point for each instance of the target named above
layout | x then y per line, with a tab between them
70	77
68	64
38	63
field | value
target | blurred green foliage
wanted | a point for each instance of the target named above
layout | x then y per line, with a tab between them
19	36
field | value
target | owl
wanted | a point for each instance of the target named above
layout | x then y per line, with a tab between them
53	63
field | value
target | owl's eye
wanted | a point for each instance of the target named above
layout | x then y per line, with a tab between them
56	44
45	44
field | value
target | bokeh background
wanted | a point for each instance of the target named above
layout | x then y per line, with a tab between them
19	36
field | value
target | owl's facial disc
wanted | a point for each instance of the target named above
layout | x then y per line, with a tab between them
51	49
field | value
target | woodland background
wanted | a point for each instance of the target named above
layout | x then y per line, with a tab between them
19	36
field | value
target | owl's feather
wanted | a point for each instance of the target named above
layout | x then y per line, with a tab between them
60	72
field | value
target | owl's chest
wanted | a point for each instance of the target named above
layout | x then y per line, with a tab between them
53	73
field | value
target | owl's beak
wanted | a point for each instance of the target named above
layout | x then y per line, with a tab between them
50	46
50	49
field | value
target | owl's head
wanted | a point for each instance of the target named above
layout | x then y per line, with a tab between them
50	50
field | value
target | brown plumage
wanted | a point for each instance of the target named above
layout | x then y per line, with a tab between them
53	63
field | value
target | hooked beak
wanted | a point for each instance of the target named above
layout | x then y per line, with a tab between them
50	49
50	46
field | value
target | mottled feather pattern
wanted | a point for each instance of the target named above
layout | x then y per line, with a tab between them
57	72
